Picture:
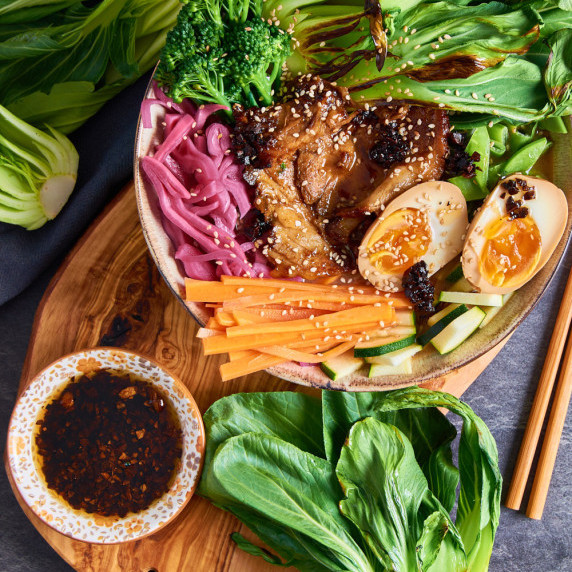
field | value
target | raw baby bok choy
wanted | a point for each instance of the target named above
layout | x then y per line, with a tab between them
60	61
38	171
357	482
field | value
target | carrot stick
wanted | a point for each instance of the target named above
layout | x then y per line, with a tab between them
285	313
244	366
294	285
362	314
236	303
223	344
307	356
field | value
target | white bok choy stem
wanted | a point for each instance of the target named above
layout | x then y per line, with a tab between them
38	172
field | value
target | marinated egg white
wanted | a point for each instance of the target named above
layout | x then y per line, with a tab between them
428	222
513	235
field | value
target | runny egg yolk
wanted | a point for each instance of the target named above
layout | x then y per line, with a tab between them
399	241
511	251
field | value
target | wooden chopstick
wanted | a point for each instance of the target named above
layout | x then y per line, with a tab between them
551	438
540	406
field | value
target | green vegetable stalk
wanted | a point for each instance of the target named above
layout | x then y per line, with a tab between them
357	482
488	60
38	171
61	61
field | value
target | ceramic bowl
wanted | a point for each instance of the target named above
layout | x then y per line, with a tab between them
427	364
50	507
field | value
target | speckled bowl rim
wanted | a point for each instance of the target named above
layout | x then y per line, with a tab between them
126	527
477	346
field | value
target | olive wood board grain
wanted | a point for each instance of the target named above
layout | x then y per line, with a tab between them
109	292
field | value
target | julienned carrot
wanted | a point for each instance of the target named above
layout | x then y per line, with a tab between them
293	285
233	356
258	316
223	344
244	366
398	301
306	357
352	316
254	361
225	319
213	291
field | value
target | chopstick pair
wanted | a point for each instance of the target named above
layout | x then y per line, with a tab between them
556	420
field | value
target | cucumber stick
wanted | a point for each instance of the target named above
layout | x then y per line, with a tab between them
380	346
397	357
473	298
378	370
439	326
492	311
458	330
341	365
446	310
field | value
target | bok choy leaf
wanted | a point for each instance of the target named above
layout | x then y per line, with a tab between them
290	486
364	482
388	499
466	57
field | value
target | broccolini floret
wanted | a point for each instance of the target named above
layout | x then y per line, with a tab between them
223	57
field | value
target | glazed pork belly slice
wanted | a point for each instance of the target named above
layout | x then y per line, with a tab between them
321	165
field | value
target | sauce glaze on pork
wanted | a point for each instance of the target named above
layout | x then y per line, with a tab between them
323	166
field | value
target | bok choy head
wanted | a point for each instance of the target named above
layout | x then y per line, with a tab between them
363	482
38	171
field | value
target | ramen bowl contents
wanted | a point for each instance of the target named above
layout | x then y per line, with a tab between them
109	444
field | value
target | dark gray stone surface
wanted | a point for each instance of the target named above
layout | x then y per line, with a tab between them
501	396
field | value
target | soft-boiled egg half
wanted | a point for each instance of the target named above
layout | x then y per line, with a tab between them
427	222
514	233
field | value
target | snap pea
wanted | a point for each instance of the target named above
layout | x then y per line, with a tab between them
494	175
481	143
518	139
525	158
471	191
498	134
554	125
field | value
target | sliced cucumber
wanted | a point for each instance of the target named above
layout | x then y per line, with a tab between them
393	332
342	365
458	330
438	327
492	311
378	370
441	314
456	274
473	298
380	346
397	357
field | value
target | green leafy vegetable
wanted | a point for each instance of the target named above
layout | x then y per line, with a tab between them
390	451
387	498
223	53
61	61
288	485
487	60
38	171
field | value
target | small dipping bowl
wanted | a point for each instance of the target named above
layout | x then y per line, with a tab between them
49	506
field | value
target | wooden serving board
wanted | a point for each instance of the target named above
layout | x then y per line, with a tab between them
109	292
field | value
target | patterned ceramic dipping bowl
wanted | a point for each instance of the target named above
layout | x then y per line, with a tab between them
24	459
